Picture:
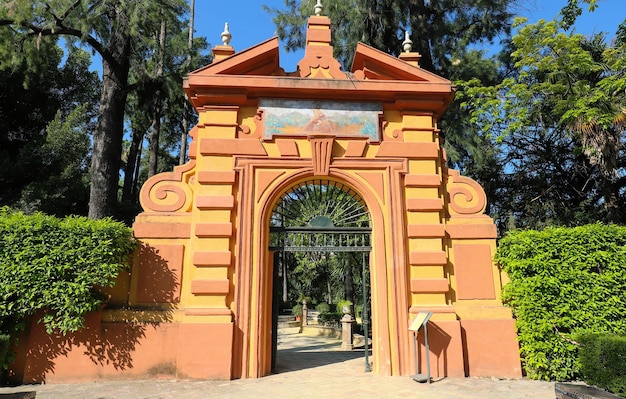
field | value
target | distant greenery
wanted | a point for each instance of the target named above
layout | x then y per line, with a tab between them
323	307
343	303
331	319
52	268
564	282
46	114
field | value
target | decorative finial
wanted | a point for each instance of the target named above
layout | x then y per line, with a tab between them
318	8
407	44
226	35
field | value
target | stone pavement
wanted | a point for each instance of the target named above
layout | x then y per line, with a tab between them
309	367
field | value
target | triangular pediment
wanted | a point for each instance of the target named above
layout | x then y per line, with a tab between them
372	64
236	78
262	59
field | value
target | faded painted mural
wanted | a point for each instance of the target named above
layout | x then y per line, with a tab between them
303	117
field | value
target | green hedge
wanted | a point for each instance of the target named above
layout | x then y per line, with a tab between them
5	342
331	319
603	361
54	266
323	307
564	281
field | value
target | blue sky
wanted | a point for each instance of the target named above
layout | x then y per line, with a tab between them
250	24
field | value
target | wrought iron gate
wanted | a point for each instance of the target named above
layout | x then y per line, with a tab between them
321	216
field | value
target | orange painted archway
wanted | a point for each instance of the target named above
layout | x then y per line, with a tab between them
196	302
361	177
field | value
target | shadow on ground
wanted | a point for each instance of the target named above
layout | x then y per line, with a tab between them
19	395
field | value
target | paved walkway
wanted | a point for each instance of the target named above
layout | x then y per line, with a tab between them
309	367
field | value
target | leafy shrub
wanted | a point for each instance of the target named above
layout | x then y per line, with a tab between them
296	309
54	267
341	304
323	307
330	319
603	361
303	297
564	281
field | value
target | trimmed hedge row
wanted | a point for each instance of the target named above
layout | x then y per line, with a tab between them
603	361
5	342
564	282
55	266
331	319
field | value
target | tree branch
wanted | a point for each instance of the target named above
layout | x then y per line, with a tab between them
64	30
36	30
70	9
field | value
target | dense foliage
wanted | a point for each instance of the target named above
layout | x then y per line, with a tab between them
323	279
46	113
603	361
564	282
52	268
143	48
557	125
442	31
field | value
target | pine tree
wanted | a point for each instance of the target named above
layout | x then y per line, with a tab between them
116	31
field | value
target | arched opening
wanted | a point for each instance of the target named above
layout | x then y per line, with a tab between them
253	296
320	234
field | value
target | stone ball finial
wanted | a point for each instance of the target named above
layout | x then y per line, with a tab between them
407	44
319	8
226	36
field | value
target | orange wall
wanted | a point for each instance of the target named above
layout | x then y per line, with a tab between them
105	350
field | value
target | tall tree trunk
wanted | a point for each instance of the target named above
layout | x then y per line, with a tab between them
420	33
183	137
131	165
330	293
109	131
328	284
348	279
135	189
153	150
153	145
610	199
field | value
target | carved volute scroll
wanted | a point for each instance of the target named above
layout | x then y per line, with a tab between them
466	196
168	192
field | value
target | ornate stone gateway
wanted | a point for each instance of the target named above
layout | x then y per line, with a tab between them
198	300
321	216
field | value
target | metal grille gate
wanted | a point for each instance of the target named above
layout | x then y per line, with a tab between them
321	216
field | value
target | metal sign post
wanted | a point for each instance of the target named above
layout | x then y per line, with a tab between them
421	320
